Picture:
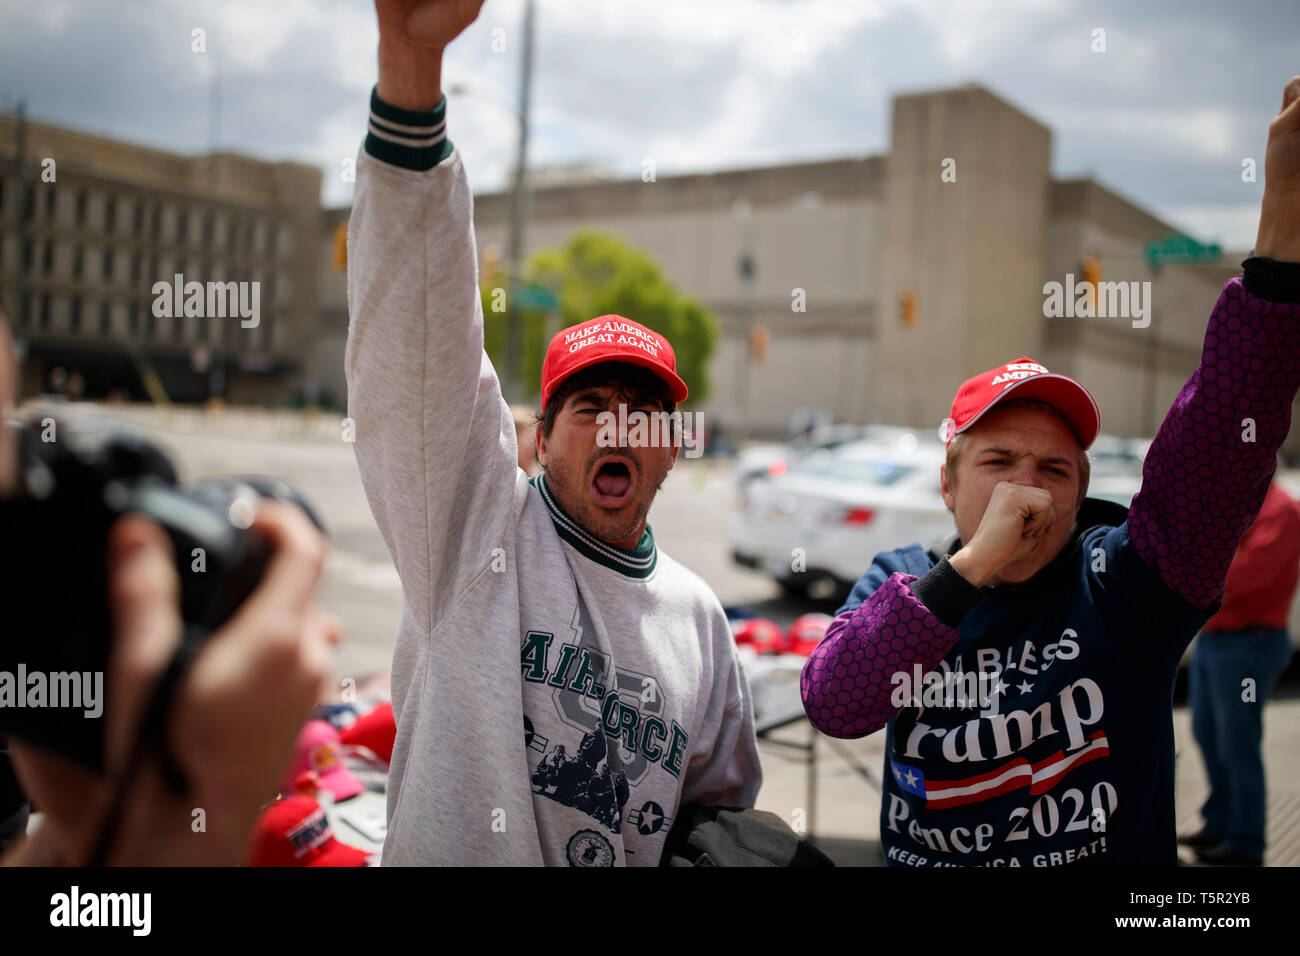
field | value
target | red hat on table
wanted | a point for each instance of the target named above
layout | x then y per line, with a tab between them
1024	378
375	731
609	338
296	832
319	748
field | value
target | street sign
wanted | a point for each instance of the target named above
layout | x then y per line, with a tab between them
536	298
1176	250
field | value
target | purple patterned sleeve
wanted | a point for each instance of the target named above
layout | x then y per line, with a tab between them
847	682
1209	467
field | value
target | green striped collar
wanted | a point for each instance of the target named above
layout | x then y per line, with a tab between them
638	563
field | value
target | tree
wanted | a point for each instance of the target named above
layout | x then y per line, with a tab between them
594	274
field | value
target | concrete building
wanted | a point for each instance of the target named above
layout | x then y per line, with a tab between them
917	269
89	226
881	282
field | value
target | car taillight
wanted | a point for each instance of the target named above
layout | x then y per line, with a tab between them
777	468
858	516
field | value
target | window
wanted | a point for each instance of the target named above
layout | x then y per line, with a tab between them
44	318
49	202
108	265
75	320
105	319
182	226
47	258
137	218
81	207
155	221
110	214
78	261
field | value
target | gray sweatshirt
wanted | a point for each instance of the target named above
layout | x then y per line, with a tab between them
558	698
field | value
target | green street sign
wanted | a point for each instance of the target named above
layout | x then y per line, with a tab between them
536	298
1176	250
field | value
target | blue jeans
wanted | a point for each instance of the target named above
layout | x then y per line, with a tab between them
1228	729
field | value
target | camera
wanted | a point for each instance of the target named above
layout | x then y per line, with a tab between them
75	480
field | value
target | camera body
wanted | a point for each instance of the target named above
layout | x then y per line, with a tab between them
56	631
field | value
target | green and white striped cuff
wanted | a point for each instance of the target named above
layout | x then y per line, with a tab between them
412	140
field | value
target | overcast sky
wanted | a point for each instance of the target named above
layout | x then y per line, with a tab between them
1182	94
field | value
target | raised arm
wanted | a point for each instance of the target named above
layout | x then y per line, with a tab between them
1208	470
434	439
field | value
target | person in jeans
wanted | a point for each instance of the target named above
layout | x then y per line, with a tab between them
1241	653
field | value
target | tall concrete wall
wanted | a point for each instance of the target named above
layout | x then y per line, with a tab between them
971	250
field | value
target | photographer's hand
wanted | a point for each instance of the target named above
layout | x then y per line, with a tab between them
233	720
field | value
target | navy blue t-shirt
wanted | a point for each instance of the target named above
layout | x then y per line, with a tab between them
1065	755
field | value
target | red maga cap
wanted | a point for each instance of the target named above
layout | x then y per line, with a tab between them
376	731
1024	378
609	338
296	832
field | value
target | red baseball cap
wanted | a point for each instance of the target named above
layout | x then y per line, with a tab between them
375	731
806	632
296	832
765	636
609	338
1024	378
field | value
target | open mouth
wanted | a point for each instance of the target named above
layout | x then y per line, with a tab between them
612	485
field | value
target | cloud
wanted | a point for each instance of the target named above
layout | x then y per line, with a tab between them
1165	115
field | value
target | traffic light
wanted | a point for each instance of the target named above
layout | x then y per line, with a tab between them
340	261
907	308
1091	276
490	262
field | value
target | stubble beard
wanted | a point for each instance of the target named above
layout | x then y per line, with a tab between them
569	486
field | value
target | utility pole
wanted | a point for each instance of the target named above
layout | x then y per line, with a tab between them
27	201
514	328
742	210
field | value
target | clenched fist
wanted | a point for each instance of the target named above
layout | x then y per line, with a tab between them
1019	519
1279	219
430	24
412	36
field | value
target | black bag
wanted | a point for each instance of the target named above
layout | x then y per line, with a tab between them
732	836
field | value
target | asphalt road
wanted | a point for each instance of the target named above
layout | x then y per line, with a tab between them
690	523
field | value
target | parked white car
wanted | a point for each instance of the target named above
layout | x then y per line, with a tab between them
816	527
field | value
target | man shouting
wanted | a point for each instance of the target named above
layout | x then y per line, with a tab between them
1025	675
561	686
